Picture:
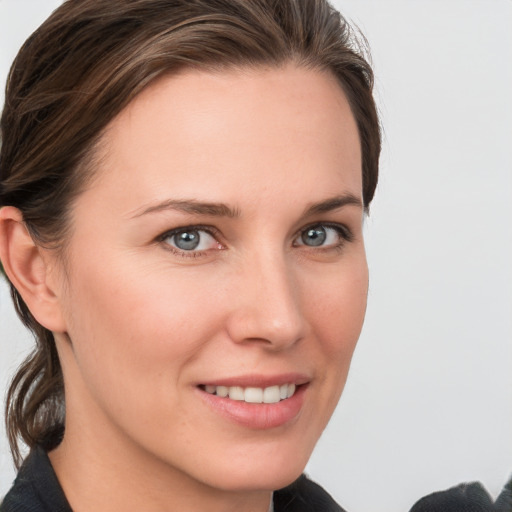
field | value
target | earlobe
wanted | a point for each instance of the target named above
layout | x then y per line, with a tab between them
28	270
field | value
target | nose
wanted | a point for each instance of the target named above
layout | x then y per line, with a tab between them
266	304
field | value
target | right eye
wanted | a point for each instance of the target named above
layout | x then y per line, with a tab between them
191	240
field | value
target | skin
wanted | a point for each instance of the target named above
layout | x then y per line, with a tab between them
139	323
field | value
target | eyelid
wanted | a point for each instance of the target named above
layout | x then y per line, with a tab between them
211	230
343	231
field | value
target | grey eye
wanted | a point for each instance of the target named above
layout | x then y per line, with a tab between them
187	240
314	236
191	239
322	235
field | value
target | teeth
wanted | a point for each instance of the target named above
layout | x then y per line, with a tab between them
253	395
236	393
270	395
222	391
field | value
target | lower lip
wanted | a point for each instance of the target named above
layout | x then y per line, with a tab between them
257	416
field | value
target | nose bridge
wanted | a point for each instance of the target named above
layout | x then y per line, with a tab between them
267	307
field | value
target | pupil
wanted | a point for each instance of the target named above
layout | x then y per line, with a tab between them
314	236
188	240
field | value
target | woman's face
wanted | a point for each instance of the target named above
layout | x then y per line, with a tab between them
219	250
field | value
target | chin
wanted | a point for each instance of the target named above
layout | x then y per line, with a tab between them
270	480
257	473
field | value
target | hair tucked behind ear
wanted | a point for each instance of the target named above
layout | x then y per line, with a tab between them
82	67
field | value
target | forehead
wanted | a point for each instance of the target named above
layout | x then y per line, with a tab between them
204	133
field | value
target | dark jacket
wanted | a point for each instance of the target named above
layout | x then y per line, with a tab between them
36	489
470	497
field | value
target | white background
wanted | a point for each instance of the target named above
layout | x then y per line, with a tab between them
428	403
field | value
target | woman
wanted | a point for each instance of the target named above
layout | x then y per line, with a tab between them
202	162
183	186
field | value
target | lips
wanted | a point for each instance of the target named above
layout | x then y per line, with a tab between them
257	402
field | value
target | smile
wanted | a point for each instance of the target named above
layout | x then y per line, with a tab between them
253	395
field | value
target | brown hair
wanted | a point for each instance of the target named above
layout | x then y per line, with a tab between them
87	61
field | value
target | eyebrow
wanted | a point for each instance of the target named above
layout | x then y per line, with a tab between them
333	203
193	206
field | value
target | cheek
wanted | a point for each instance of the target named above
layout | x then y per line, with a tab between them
136	329
336	308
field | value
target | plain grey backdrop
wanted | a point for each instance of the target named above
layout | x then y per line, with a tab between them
428	402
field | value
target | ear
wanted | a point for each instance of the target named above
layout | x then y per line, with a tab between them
29	269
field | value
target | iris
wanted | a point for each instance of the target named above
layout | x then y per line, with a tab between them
187	240
314	236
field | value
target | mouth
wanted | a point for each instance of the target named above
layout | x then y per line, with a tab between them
257	403
253	395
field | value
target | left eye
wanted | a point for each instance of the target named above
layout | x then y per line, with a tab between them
191	240
320	235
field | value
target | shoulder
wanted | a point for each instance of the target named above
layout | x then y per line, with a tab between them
36	488
22	496
304	495
468	497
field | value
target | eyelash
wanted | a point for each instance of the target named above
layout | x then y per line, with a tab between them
213	232
344	233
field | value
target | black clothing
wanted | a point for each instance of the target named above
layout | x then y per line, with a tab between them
36	489
304	496
465	498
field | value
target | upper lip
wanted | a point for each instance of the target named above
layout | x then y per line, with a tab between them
259	381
